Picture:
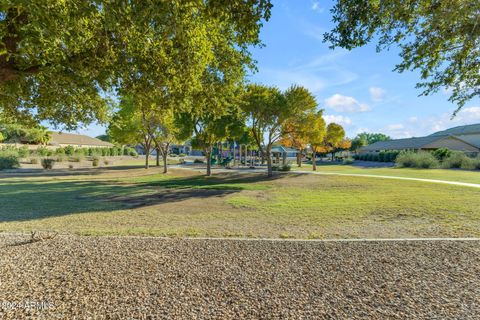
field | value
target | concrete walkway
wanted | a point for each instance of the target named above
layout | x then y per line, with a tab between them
455	183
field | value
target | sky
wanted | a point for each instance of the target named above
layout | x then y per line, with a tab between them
357	89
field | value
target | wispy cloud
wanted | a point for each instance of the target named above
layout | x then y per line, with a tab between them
342	103
317	74
377	94
316	7
416	126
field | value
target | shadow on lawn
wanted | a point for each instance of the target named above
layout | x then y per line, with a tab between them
23	201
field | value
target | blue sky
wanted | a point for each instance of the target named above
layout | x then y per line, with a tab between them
357	88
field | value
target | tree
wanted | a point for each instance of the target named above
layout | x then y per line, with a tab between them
208	129
17	133
438	38
59	58
315	134
104	137
268	111
295	130
164	132
333	138
365	138
128	127
343	145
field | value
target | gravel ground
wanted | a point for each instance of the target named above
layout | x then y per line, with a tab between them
143	278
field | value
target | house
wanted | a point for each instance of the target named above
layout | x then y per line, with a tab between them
462	138
284	153
62	139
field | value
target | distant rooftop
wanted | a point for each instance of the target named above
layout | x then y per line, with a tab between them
58	138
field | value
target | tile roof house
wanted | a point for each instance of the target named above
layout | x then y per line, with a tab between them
462	138
62	139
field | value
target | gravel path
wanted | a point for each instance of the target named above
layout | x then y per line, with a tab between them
144	278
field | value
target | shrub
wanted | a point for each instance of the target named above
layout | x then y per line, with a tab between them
469	164
442	153
173	155
455	160
348	160
47	163
391	156
60	151
198	161
42	151
34	160
182	155
70	166
285	167
9	159
106	162
422	159
95	162
23	152
69	150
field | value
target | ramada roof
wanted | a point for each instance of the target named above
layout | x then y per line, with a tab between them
58	138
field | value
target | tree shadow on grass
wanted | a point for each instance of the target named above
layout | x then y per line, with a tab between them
31	200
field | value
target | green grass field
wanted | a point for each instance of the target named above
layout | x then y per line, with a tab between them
436	174
133	201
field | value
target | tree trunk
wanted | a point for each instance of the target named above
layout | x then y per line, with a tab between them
314	161
269	163
147	155
239	155
164	156
208	154
333	156
157	150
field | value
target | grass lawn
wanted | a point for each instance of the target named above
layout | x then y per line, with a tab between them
133	201
437	174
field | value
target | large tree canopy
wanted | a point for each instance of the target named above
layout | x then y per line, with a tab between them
58	58
441	39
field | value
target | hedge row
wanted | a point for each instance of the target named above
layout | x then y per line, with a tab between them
424	159
387	156
24	152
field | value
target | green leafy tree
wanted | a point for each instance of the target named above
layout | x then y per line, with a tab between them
17	133
365	138
59	58
438	38
128	127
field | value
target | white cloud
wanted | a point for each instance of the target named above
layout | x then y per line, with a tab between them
342	120
316	7
315	75
377	94
342	103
